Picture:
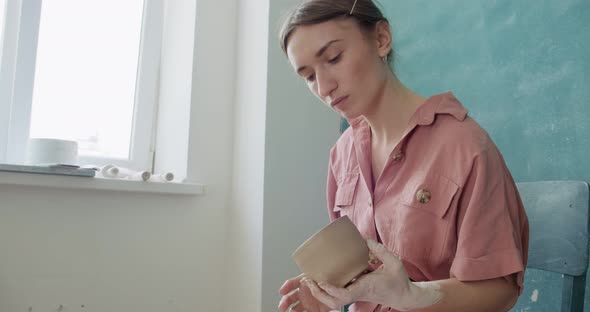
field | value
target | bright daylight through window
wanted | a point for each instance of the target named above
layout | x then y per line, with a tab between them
85	74
81	70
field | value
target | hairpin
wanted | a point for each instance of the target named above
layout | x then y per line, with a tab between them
352	10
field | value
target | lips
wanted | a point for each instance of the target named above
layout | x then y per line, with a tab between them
338	101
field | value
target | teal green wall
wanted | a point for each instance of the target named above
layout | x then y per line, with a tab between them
523	71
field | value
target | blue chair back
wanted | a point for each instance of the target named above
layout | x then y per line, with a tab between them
558	217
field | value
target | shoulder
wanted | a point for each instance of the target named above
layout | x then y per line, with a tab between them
466	136
443	123
452	143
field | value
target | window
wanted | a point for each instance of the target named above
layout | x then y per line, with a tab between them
81	70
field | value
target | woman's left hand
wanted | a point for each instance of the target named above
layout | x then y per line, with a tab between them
389	285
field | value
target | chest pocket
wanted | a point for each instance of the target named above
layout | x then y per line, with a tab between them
425	202
430	193
345	193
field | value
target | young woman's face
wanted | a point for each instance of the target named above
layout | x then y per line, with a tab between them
341	64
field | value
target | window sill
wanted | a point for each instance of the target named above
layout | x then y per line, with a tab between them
97	183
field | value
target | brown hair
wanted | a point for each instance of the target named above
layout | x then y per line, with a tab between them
311	12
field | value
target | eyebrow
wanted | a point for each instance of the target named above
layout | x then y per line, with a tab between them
319	53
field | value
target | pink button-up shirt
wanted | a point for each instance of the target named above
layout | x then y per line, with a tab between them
445	202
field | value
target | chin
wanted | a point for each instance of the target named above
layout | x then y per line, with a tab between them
349	116
351	112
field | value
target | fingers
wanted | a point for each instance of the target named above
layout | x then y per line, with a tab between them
358	289
290	292
321	295
291	284
382	253
290	301
341	293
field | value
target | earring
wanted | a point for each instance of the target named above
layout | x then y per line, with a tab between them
384	59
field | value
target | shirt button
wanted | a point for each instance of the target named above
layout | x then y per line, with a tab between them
398	156
370	202
423	196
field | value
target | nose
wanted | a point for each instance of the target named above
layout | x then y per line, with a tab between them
326	84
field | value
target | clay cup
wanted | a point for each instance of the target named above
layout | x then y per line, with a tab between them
336	254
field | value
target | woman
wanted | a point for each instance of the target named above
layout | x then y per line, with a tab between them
423	183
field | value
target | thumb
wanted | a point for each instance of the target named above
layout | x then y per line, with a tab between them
382	253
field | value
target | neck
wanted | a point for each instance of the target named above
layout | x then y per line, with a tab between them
394	106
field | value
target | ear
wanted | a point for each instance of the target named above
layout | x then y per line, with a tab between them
383	38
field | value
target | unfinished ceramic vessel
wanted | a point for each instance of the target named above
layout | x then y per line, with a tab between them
336	254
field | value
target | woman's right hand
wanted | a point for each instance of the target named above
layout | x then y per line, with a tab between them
295	290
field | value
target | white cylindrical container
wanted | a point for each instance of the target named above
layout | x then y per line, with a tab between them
109	171
41	151
163	177
141	175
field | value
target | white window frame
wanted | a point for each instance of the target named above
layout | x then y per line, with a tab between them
17	79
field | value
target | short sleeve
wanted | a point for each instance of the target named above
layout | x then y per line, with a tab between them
492	227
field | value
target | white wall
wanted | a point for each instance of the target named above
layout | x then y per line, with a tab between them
244	269
261	147
175	88
282	139
109	251
299	134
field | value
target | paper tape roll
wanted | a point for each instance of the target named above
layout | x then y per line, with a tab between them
163	177
41	151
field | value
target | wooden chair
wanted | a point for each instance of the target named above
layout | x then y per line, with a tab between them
558	213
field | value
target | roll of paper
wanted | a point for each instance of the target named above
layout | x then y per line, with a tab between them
109	171
42	151
112	171
163	177
141	175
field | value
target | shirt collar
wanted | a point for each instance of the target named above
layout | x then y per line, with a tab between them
444	104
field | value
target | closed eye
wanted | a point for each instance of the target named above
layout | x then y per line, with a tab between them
335	59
